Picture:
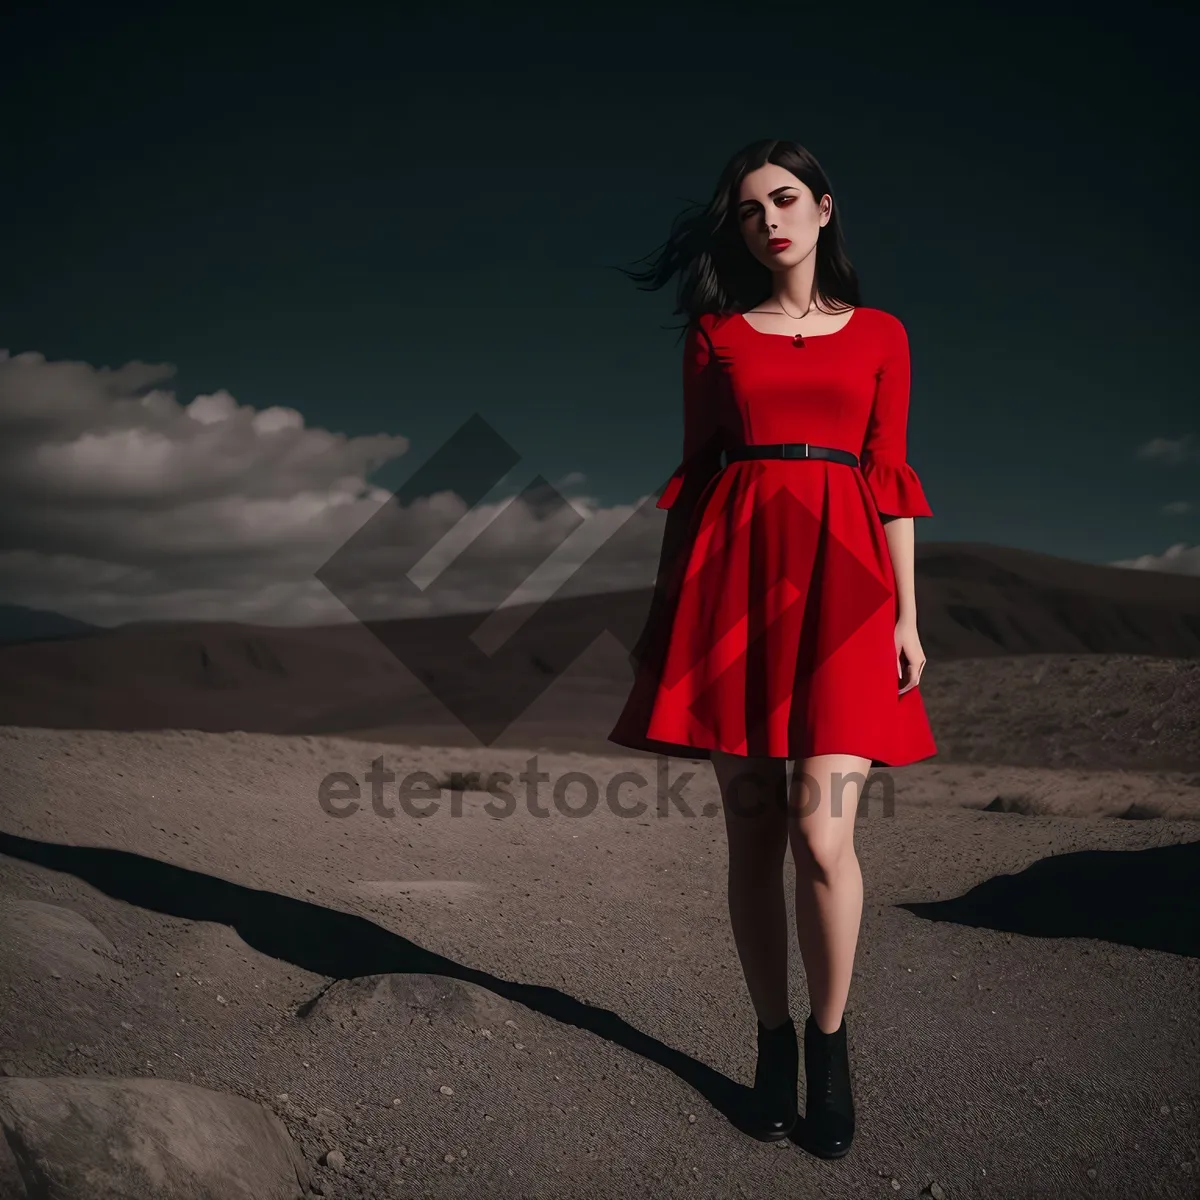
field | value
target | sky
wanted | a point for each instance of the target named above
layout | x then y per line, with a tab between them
257	272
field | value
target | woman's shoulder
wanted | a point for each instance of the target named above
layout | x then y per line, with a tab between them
713	326
703	329
881	319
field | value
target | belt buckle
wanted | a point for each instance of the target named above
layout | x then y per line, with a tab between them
795	450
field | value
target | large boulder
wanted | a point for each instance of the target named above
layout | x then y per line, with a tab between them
104	1139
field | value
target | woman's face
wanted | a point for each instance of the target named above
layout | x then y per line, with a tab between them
774	205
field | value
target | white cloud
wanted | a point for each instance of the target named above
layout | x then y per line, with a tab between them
1180	559
118	503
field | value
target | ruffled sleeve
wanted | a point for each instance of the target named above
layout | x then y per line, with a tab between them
896	489
894	484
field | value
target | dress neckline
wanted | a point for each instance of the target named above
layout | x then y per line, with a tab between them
805	336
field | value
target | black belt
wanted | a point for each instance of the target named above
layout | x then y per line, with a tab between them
791	450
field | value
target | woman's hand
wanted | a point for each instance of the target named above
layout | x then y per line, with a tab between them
908	645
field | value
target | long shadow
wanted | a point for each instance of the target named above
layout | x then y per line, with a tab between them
344	946
1144	898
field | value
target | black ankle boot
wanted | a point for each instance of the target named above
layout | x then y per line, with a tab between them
828	1106
776	1082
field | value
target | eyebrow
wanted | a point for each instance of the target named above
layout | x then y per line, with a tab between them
787	187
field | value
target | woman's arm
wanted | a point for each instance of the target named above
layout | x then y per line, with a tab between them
893	483
702	444
900	536
910	656
897	491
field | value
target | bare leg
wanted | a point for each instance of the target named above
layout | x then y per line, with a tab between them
754	801
829	885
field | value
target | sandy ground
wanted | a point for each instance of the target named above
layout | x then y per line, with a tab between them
528	1003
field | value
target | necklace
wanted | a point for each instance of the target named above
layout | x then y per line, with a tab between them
798	338
801	316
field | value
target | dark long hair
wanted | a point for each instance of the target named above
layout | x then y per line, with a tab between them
717	273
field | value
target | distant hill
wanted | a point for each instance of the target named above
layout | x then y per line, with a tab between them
20	624
979	599
1128	643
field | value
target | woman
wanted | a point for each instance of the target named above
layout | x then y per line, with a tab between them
783	624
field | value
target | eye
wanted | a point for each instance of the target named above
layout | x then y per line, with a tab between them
780	202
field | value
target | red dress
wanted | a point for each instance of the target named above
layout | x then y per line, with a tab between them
772	631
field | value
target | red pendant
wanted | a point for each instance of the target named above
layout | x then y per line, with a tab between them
797	340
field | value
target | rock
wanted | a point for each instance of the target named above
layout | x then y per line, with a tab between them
50	940
327	1121
101	1139
383	1001
334	1159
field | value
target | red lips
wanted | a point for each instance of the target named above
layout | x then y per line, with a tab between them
779	243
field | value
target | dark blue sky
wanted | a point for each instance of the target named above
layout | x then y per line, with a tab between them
390	221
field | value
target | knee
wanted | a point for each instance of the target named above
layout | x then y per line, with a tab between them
821	854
